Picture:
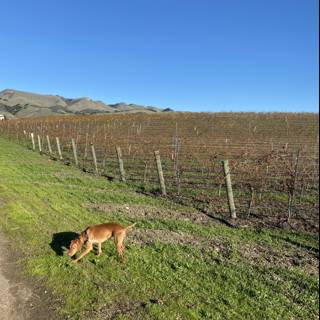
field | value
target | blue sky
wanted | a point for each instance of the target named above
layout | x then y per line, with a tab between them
193	55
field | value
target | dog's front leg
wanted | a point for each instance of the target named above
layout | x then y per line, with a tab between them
86	251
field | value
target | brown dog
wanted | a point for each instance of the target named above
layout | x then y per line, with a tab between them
98	234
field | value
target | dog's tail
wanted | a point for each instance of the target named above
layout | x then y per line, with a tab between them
130	227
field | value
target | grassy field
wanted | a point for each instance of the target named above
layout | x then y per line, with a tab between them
179	263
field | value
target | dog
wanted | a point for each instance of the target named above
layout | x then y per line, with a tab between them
96	235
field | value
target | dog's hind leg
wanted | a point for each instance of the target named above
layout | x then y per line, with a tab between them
99	249
118	240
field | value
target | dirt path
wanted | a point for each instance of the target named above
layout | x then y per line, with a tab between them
19	299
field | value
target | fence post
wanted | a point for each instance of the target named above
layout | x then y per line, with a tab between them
39	144
122	173
32	139
94	158
160	173
49	145
292	187
59	149
145	172
74	148
25	136
104	165
227	176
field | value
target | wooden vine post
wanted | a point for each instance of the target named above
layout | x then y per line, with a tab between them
227	176
39	144
59	149
74	148
49	145
94	158
121	168
160	173
292	187
32	140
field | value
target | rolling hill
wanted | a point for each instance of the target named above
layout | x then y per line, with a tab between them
19	104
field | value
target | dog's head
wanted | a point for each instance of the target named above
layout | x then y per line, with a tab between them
75	246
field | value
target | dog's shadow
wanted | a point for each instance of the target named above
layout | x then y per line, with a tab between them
61	241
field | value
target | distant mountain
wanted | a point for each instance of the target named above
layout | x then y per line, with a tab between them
19	104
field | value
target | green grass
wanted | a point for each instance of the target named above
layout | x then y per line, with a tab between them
40	198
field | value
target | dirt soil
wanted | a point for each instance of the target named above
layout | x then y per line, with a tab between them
21	299
148	211
255	253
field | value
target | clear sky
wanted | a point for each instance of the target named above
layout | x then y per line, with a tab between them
193	55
